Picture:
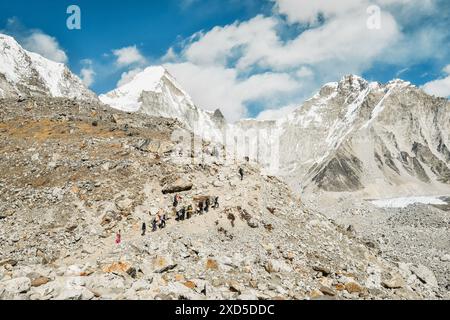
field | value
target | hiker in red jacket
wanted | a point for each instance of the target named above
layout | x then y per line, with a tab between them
118	237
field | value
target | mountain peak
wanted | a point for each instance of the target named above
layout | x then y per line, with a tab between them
399	83
353	82
4	38
154	79
24	73
147	80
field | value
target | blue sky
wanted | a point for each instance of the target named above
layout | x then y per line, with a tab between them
246	56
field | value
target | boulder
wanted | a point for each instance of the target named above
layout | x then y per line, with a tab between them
212	264
353	287
11	262
140	285
117	267
107	284
162	264
425	275
73	271
274	266
218	184
124	204
17	285
39	281
252	223
325	271
75	294
179	185
395	282
327	291
179	291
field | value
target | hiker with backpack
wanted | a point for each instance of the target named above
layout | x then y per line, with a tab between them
154	225
241	173
189	212
216	203
176	200
200	208
162	223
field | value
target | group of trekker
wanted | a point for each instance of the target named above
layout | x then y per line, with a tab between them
203	204
182	213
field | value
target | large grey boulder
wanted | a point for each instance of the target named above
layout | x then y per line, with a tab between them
16	286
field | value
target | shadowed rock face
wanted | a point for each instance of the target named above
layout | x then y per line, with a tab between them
437	166
341	173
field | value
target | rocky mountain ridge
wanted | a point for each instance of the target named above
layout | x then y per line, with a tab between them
25	74
352	136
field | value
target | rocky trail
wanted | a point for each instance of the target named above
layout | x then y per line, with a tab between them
72	175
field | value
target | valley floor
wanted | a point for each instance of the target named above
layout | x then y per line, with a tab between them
413	230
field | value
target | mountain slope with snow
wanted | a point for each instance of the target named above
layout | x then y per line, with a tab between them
352	136
155	92
24	73
366	137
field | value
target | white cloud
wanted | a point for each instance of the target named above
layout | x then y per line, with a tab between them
128	76
440	87
252	62
307	12
226	59
275	114
310	12
128	56
215	87
304	72
247	41
45	45
35	40
447	69
87	73
170	56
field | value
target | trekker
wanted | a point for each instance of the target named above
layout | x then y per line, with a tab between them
154	225
118	237
189	212
158	219
207	204
241	173
200	208
180	214
216	203
176	200
162	223
144	228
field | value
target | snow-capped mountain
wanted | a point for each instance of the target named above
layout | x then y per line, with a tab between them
24	73
353	135
155	92
366	137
